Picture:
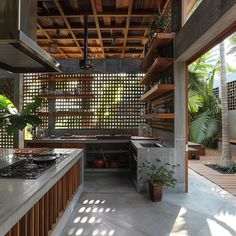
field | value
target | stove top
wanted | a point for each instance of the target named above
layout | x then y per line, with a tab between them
27	168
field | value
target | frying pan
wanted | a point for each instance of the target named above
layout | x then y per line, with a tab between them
44	159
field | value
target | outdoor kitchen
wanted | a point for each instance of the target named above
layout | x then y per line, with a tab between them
93	116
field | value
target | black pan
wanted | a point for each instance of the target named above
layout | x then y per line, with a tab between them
42	159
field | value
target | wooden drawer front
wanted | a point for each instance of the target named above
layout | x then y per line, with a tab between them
41	219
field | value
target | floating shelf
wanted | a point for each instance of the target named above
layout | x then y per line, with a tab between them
157	91
65	113
58	79
161	39
159	65
65	96
155	116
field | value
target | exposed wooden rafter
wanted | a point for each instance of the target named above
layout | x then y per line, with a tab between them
67	24
116	28
97	24
49	38
127	26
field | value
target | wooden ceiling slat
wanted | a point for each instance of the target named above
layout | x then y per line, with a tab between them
102	14
119	27
95	46
127	26
49	38
97	24
67	23
126	21
139	38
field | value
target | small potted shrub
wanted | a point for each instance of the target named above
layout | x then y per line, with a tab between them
157	176
157	24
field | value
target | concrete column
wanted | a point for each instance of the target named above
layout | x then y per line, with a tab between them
18	102
180	122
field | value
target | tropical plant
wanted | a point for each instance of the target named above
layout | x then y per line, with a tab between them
232	46
158	22
204	107
12	120
226	158
156	173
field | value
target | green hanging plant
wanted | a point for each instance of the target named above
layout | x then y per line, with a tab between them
158	23
13	120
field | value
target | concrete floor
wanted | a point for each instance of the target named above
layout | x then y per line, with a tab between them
110	206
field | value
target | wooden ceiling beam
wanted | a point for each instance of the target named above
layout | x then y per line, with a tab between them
127	26
94	46
102	14
105	27
138	38
50	39
67	24
107	53
97	24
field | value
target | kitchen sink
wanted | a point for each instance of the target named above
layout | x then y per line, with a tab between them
151	145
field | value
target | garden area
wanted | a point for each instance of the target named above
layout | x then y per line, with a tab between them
211	98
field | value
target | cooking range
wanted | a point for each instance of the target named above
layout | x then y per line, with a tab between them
28	167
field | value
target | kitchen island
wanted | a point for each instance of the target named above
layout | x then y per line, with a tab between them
35	206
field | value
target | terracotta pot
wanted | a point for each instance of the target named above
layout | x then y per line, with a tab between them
114	164
156	192
99	163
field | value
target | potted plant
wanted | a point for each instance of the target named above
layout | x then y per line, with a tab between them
157	176
13	120
157	24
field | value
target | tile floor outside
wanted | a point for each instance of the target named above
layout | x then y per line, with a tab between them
110	206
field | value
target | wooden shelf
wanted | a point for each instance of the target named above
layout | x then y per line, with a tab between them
157	91
161	39
65	113
155	116
63	79
159	65
65	96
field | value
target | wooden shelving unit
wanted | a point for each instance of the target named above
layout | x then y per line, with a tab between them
65	113
65	96
160	40
159	65
157	91
154	116
159	69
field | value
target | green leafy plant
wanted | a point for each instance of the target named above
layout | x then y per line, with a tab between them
204	108
157	173
12	120
158	22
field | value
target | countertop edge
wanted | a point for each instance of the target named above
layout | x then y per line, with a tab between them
50	179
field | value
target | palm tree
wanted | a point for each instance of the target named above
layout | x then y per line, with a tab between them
226	159
232	47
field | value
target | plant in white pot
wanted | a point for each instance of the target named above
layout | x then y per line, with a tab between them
157	175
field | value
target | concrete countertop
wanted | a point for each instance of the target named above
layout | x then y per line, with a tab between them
67	140
137	143
17	196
